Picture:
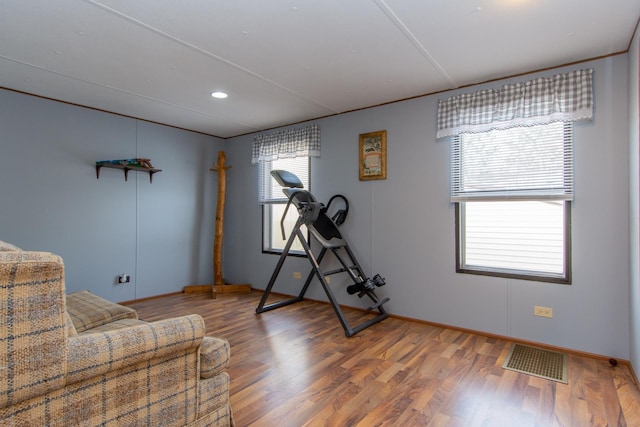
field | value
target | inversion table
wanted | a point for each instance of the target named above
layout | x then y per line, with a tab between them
325	230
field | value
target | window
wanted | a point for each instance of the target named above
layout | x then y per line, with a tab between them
274	203
290	150
513	189
512	174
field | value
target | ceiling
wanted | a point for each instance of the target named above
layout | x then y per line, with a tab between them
287	61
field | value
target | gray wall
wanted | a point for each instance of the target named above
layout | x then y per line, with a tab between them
160	233
403	227
634	197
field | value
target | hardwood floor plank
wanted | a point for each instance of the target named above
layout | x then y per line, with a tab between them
293	366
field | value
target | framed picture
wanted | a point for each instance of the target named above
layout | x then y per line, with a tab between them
373	155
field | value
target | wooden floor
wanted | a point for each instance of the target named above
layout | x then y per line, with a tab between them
294	367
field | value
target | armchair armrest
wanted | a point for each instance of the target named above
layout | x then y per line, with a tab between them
214	356
99	353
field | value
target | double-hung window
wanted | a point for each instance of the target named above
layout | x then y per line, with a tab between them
274	203
512	175
512	189
289	150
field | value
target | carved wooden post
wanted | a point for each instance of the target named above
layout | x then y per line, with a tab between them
219	286
219	233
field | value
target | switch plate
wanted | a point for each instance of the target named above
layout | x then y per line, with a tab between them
543	311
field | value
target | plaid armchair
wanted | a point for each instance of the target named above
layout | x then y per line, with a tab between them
95	363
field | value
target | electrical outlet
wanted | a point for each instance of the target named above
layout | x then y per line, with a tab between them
124	278
543	311
297	275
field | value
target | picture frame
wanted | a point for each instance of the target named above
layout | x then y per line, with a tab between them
373	155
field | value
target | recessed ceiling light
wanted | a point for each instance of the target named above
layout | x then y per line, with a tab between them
219	95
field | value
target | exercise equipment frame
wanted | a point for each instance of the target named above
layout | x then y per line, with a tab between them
325	231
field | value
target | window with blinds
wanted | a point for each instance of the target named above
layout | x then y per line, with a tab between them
513	189
274	201
269	191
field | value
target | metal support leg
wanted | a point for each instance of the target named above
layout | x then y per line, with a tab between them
261	306
349	268
348	330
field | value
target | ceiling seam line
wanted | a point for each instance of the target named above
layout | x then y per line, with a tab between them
149	98
204	52
409	35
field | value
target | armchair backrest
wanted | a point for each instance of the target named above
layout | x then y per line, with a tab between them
33	334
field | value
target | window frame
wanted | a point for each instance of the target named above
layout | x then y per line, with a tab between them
266	241
515	274
564	278
268	248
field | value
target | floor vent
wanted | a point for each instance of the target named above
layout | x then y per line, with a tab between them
538	362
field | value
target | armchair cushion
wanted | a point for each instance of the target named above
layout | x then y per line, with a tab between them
88	311
117	324
71	330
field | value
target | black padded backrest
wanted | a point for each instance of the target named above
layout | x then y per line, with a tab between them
322	227
286	179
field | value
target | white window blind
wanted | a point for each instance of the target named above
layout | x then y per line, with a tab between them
527	237
521	163
273	203
269	191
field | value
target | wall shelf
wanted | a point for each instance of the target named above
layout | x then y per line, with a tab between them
126	169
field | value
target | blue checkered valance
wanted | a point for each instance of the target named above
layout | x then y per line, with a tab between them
563	97
286	144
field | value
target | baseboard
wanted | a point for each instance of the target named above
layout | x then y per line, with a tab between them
149	298
220	289
516	340
248	288
633	374
228	288
194	289
485	334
